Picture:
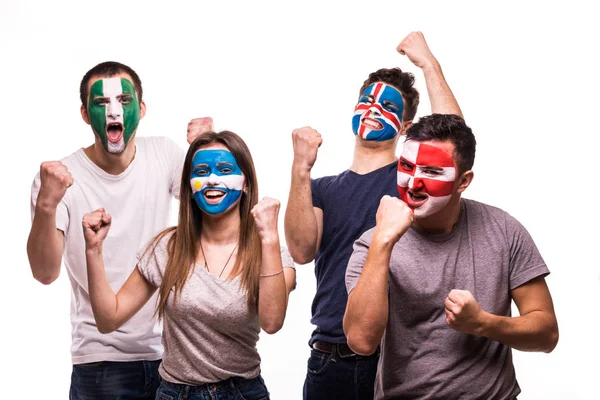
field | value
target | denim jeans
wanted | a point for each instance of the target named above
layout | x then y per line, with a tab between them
229	389
331	377
111	380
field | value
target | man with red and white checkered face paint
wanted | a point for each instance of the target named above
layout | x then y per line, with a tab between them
426	176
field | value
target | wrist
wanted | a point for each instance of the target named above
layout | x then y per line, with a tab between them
270	239
384	240
431	66
93	250
482	328
45	208
301	169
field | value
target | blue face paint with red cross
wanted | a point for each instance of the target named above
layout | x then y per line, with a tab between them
378	114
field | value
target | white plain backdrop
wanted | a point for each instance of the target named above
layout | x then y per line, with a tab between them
524	73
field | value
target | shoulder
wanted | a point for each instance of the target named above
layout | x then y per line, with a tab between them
325	182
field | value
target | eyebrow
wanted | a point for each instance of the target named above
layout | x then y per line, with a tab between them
224	163
433	167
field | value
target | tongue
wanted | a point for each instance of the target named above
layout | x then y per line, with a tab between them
114	134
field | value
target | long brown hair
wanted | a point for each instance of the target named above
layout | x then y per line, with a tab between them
184	243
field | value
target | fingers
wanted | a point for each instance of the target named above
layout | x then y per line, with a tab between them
96	219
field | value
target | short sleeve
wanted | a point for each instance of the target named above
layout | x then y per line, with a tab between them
357	259
286	258
526	262
176	158
62	212
152	259
315	189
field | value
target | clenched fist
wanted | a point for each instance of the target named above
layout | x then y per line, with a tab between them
197	127
95	227
306	144
55	179
265	214
463	313
415	48
393	218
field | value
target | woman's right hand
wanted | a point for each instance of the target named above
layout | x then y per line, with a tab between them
265	214
95	228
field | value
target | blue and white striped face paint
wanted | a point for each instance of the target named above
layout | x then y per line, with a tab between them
217	180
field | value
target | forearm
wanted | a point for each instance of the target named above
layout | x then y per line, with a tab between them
45	246
367	309
300	222
102	296
535	331
272	297
440	95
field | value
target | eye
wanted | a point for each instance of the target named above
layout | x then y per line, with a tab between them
226	170
365	99
431	172
405	165
100	102
126	99
201	172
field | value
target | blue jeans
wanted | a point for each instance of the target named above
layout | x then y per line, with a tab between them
331	377
111	380
230	389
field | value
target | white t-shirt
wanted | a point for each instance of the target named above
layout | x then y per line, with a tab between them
139	201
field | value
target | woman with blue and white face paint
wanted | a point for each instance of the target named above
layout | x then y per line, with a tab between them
208	270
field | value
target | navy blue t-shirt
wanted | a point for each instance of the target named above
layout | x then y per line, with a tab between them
349	202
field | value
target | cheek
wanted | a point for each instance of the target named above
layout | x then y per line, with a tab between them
437	188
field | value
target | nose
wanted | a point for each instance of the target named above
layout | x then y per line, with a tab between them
375	111
213	180
114	109
416	184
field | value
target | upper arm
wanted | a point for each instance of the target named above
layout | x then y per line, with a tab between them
319	221
136	292
289	275
533	296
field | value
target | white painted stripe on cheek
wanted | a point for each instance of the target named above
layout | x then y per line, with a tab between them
403	179
111	88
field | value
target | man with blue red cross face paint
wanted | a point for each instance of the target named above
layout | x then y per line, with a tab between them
325	216
432	282
132	178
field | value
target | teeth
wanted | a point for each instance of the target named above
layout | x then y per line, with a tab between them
214	193
371	123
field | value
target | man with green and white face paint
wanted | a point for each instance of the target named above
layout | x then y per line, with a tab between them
134	179
114	112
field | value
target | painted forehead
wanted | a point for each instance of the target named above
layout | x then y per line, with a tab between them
381	91
424	154
214	157
108	87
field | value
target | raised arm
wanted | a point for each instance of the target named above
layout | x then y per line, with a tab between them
441	97
303	223
535	329
366	314
110	310
272	296
45	243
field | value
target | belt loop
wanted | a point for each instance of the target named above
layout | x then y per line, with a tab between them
334	351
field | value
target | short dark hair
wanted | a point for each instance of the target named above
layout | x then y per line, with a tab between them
109	68
403	81
445	127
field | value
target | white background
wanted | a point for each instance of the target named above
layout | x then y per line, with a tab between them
525	75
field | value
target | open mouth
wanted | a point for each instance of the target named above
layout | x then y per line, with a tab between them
372	124
214	196
416	199
114	131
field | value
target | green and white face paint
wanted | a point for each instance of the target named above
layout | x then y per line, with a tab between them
114	112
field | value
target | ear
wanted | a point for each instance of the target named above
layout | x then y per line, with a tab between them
404	128
464	181
84	114
142	109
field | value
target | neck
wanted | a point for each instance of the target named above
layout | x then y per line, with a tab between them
221	229
441	222
371	155
113	164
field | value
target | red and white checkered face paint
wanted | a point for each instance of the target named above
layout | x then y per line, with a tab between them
426	176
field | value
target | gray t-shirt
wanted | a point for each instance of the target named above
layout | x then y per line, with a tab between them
488	253
209	334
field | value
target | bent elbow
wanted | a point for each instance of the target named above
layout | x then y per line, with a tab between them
105	328
361	346
272	328
45	279
301	256
552	341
